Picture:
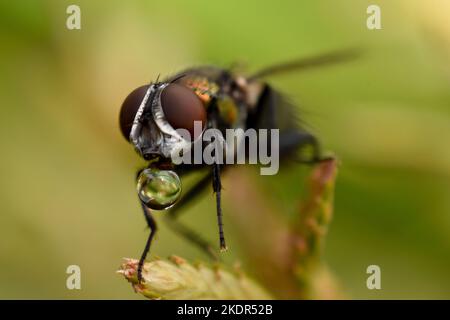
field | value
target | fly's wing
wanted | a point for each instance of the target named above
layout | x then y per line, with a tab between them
307	63
274	108
275	111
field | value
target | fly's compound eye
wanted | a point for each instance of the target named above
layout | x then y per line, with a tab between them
158	189
129	108
182	107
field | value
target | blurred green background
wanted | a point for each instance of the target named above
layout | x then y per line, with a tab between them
67	189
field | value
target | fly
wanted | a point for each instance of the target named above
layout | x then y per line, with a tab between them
151	116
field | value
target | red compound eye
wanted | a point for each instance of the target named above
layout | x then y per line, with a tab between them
182	107
129	108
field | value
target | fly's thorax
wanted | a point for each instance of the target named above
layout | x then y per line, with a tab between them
232	112
204	88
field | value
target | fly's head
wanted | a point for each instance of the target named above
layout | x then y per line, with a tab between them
153	118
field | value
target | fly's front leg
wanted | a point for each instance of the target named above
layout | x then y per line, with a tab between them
216	183
217	187
182	229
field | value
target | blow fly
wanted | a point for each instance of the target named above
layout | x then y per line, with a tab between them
152	115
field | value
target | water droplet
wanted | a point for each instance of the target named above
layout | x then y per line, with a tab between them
158	189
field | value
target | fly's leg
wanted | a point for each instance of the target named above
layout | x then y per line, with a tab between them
217	187
213	176
216	183
152	225
182	229
292	140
